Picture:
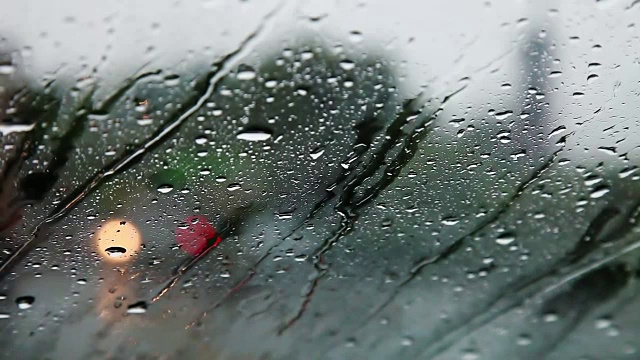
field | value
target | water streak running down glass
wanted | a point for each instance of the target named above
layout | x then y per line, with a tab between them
320	180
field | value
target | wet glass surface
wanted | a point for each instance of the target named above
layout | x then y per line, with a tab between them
295	180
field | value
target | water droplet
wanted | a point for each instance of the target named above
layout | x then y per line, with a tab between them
4	316
523	340
609	150
115	251
138	308
450	220
503	114
355	36
7	69
234	187
172	80
246	72
141	105
592	180
407	341
470	355
503	136
165	189
347	65
316	153
284	215
599	192
254	135
270	83
550	317
602	323
613	331
505	239
6	129
558	130
627	171
25	302
145	121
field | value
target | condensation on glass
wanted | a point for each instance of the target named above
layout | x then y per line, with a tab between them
295	180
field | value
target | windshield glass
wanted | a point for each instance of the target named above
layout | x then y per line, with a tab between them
318	179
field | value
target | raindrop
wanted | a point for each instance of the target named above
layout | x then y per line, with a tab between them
558	130
7	69
347	65
270	84
627	171
470	354
609	150
284	215
165	188
115	251
25	302
503	137
141	105
407	341
172	80
505	239
602	323
6	129
503	114
524	340
355	36
306	55
137	308
550	317
316	153
450	220
146	121
592	180
254	135
233	187
599	192
246	72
